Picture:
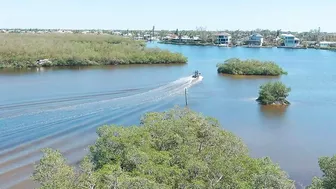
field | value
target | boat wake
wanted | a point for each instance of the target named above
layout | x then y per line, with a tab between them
28	127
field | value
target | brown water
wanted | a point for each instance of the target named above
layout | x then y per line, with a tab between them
62	108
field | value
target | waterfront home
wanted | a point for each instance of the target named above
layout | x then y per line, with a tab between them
138	38
289	40
147	36
255	40
116	33
223	38
327	44
170	37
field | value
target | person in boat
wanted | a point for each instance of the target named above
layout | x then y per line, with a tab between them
196	74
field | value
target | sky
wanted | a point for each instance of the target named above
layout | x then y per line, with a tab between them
287	15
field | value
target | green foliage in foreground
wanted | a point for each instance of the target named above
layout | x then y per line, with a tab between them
23	50
236	66
273	93
174	149
328	180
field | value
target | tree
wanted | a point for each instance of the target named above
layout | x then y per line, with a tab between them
235	66
176	32
178	148
328	179
203	33
273	93
53	172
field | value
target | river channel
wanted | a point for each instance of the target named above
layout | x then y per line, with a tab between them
62	107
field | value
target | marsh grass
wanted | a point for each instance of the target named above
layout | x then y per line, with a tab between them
23	50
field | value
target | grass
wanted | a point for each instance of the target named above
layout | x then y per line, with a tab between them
23	50
236	66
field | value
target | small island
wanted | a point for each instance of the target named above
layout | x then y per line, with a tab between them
35	50
235	66
273	93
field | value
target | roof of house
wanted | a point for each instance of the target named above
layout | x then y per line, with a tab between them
257	34
185	37
287	35
223	34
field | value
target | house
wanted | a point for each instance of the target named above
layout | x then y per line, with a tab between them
186	38
326	44
223	38
116	33
290	40
196	38
255	40
147	36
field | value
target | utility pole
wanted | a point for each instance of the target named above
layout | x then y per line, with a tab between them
185	96
153	30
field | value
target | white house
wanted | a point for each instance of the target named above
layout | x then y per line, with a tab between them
223	38
255	40
290	40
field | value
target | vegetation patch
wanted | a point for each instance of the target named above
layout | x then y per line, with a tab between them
273	93
328	179
174	149
26	50
236	66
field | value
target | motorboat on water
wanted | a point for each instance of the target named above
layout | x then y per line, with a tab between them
196	74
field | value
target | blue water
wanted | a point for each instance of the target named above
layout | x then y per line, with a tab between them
61	108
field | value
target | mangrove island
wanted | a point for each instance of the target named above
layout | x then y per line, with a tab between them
235	66
273	93
33	50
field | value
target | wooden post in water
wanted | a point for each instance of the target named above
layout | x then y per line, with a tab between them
186	97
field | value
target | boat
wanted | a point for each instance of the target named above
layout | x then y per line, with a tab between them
196	74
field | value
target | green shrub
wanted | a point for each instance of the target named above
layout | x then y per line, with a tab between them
23	50
273	93
236	66
328	179
174	149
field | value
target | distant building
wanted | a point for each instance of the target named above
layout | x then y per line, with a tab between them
116	33
85	32
186	38
171	37
326	44
223	38
138	38
147	37
290	40
255	40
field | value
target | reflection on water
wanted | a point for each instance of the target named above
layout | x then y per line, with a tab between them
271	112
235	77
19	71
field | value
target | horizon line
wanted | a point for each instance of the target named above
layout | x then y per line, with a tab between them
272	30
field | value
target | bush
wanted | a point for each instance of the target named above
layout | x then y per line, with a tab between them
23	50
174	149
273	93
328	180
236	66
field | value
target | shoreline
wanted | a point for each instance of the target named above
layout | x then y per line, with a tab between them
89	65
244	46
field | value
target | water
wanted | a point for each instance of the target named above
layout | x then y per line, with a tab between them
61	108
